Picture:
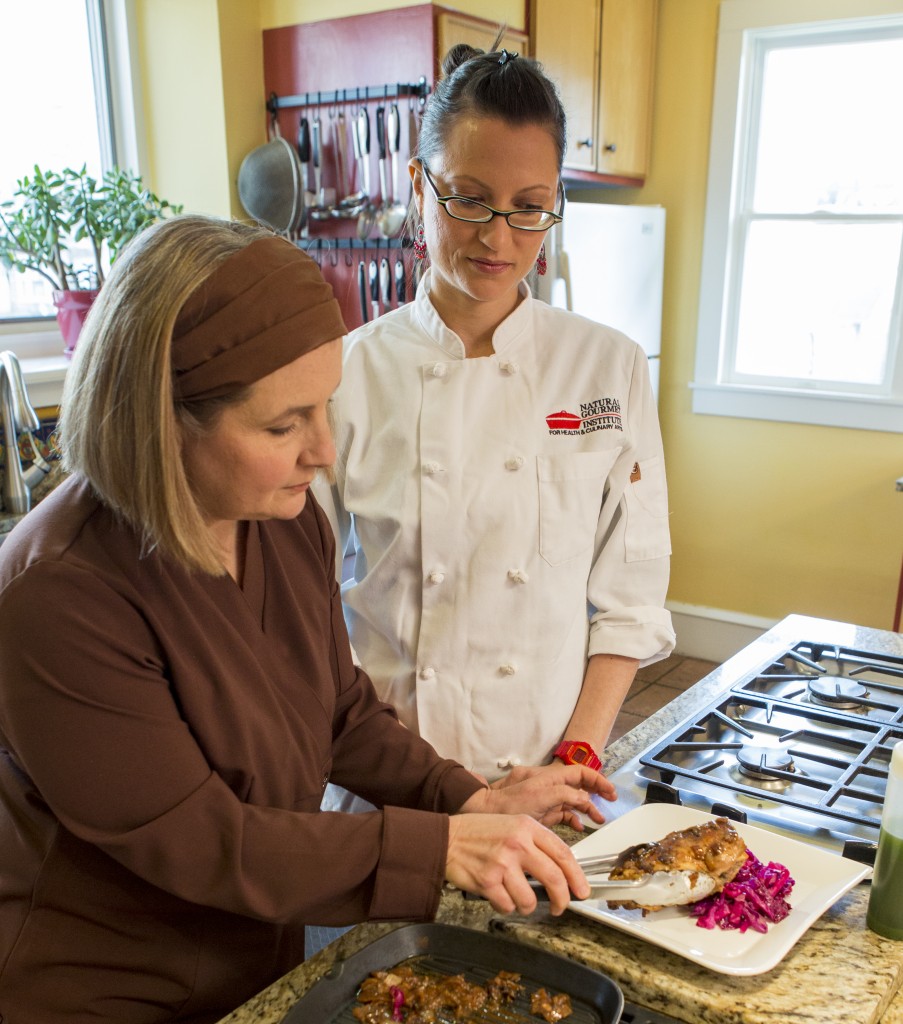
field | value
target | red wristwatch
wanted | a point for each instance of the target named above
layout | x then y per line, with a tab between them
577	752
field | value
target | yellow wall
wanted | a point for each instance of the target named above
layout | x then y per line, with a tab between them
243	91
768	518
185	117
202	84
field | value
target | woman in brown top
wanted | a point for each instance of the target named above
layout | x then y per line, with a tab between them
176	684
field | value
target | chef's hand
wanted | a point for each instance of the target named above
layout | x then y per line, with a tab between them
491	854
551	793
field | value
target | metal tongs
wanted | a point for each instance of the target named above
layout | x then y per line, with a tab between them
659	889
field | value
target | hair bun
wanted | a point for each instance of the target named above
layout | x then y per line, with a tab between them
457	55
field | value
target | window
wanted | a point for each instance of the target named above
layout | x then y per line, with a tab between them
801	305
76	108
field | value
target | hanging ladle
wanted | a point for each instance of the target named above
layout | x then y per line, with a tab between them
350	205
367	217
382	152
393	214
319	209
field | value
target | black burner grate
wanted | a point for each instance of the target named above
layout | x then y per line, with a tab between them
777	741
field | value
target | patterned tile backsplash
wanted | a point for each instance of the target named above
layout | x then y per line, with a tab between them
44	437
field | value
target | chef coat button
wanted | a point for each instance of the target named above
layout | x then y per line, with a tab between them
439	370
517	576
325	780
436	577
431	468
509	367
515	762
427	672
507	670
514	462
503	763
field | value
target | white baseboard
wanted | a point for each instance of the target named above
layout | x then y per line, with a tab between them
713	634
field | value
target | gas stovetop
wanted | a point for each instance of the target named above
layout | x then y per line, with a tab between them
800	745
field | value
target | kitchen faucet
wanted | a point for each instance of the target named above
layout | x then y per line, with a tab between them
18	417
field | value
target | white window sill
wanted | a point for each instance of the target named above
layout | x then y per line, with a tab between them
828	410
39	347
44	377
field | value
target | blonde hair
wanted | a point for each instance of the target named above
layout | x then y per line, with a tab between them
120	426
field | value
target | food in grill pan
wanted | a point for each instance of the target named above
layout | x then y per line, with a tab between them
550	1007
713	848
401	994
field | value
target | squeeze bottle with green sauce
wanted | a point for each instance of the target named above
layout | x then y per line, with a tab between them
885	913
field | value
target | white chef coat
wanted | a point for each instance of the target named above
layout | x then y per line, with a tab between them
508	518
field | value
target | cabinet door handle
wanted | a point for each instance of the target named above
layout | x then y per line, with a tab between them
584	142
610	147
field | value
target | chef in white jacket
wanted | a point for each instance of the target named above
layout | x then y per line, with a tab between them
500	479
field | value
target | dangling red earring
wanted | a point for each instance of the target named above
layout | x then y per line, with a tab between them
420	244
541	266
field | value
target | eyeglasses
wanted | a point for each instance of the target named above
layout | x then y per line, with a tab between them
479	213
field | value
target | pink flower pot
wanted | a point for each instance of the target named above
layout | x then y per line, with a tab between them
71	310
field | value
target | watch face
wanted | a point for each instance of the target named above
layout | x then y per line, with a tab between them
577	752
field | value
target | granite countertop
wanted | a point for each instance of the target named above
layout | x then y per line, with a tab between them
838	973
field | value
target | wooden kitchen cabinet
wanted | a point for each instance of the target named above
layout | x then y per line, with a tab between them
453	28
601	54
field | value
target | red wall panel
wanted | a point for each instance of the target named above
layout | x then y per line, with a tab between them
345	54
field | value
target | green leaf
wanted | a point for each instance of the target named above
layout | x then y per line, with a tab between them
52	210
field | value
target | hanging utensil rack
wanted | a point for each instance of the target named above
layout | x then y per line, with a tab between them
356	94
324	243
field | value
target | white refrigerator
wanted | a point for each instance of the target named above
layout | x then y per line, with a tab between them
607	263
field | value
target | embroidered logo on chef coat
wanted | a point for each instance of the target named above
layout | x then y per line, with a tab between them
601	414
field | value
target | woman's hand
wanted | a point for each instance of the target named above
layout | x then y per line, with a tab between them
491	854
553	794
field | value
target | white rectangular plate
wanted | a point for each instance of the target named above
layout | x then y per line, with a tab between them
821	878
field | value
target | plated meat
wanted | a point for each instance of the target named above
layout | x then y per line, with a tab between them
713	848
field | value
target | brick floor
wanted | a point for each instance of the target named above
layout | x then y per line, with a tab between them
656	685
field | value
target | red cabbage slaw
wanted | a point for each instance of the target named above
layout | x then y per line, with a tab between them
397	1002
755	897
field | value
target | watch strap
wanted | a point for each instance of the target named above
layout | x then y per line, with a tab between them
578	752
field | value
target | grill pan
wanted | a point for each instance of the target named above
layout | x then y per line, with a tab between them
444	950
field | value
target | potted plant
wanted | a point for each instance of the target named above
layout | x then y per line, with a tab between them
52	212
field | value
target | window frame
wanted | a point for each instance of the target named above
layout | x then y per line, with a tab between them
113	36
744	26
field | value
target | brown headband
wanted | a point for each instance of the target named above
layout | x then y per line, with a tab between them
259	310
